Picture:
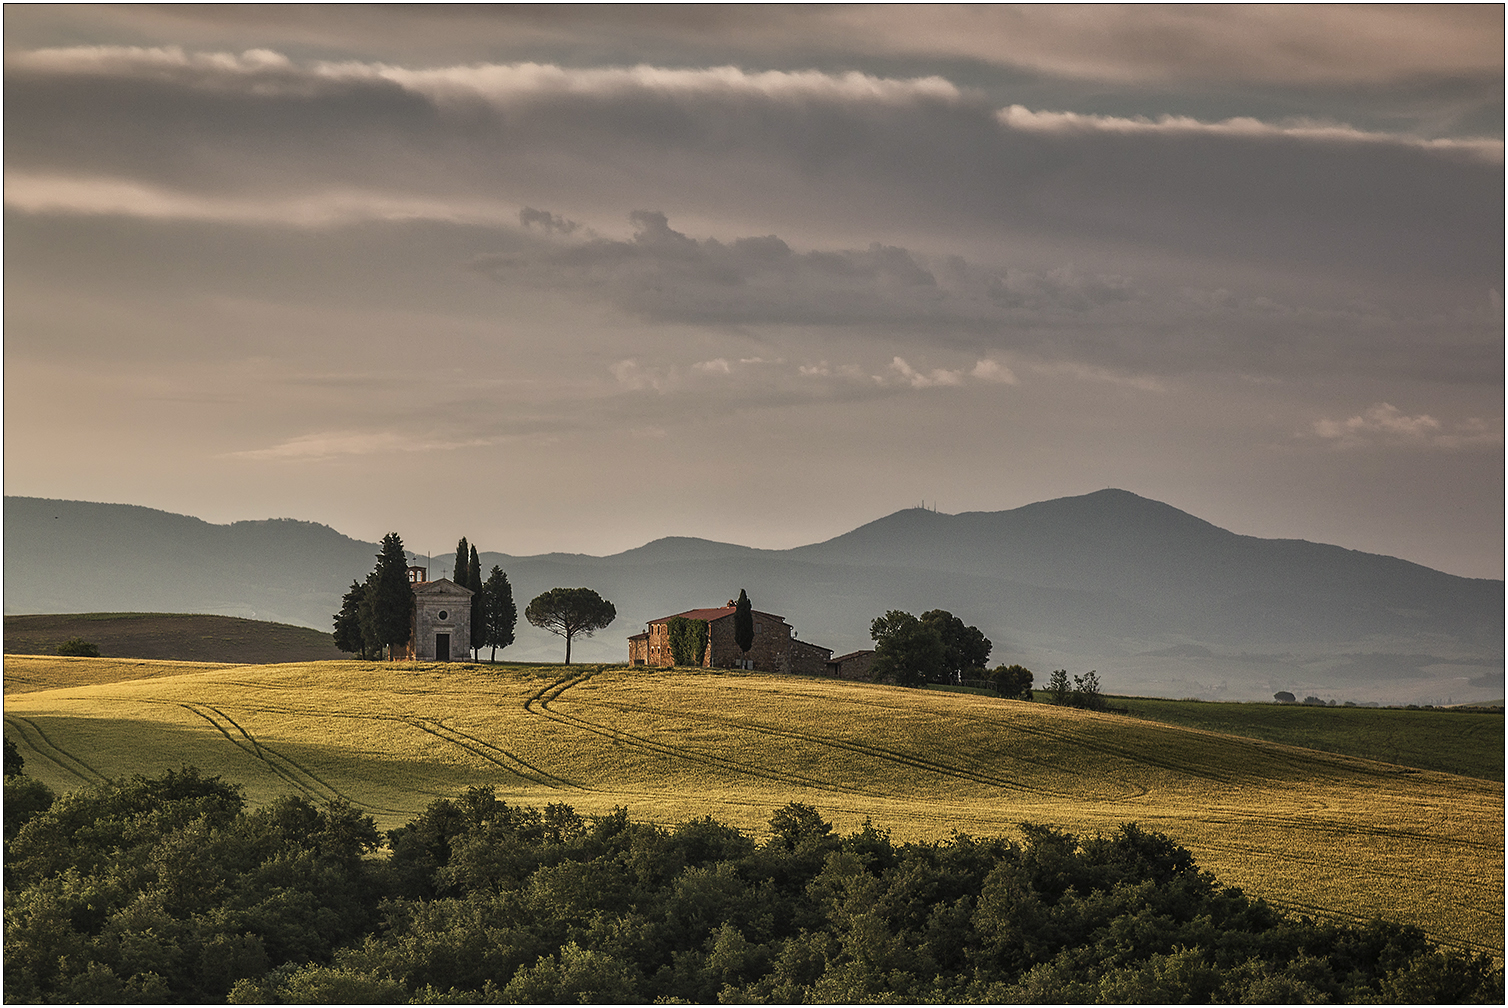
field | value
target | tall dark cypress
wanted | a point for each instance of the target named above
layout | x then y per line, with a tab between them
463	565
478	602
502	612
743	622
348	636
392	596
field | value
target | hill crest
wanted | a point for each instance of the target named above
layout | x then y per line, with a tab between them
1157	600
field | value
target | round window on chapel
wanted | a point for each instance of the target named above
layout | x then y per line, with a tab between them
444	614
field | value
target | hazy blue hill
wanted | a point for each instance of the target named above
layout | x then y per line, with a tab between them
77	556
1155	599
1198	578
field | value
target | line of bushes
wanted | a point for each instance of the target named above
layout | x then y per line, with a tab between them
171	890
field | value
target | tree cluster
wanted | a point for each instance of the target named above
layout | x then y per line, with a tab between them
379	613
1084	693
170	890
77	647
1013	682
935	647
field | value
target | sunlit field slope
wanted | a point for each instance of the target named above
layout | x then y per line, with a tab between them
1465	741
1316	831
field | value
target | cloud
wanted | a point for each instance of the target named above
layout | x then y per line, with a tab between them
1089	326
937	376
40	193
326	445
1486	149
727	143
993	371
1131	43
663	275
1316	44
1387	426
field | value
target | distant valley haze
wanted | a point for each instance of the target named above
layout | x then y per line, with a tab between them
1158	601
604	288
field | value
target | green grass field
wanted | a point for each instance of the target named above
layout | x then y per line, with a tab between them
171	636
1465	741
1320	832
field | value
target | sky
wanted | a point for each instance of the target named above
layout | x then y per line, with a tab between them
573	278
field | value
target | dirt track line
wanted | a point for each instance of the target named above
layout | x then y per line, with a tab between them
548	693
475	746
875	752
1284	822
290	770
255	753
562	782
244	734
1298	755
89	776
1368	869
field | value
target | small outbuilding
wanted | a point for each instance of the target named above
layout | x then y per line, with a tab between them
854	665
442	619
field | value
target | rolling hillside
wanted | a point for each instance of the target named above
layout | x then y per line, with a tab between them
1159	602
1354	837
173	636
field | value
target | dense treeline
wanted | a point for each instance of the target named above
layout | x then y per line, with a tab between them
171	890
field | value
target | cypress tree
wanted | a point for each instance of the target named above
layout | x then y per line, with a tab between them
501	611
743	622
463	564
392	596
478	602
348	635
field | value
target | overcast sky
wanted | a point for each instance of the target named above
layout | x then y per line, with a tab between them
577	278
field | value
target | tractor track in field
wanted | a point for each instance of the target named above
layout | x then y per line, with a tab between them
478	747
529	773
538	703
1328	828
55	754
310	784
1407	874
874	752
1353	765
475	746
1068	736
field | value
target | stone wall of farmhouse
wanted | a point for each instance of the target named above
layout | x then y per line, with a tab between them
856	666
775	648
656	646
769	653
808	659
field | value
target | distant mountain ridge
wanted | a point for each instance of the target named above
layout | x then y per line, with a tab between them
1158	600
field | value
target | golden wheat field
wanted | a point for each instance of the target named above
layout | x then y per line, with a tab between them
1313	831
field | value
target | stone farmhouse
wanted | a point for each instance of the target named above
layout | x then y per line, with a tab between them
854	665
775	647
442	619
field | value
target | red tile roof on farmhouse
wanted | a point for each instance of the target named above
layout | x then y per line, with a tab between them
852	654
714	614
